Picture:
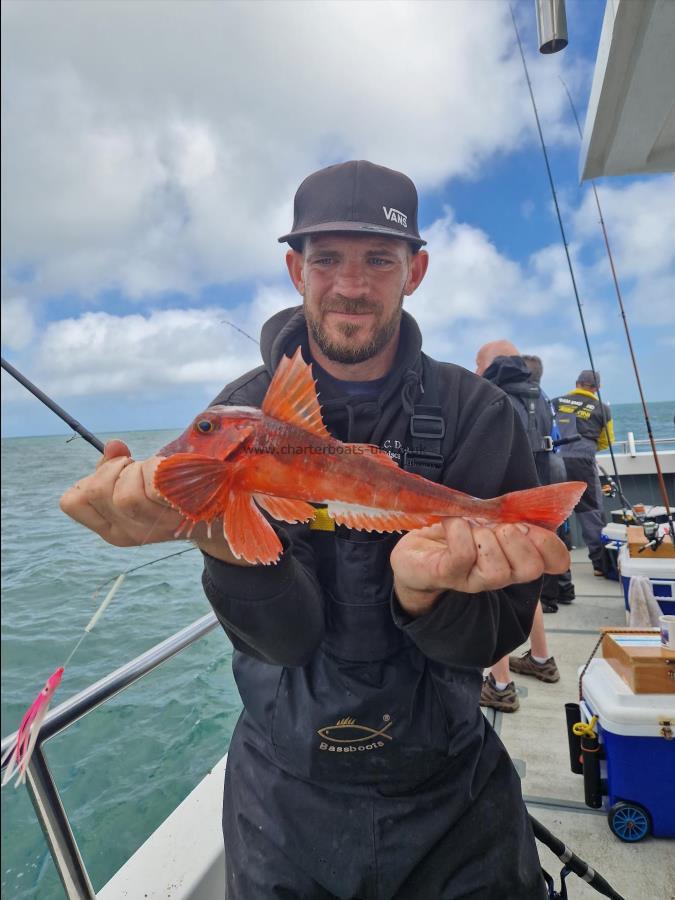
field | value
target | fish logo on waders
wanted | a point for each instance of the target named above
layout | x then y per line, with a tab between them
355	737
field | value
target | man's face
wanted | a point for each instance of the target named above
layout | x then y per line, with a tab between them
353	288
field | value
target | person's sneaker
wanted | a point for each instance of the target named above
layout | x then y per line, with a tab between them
505	701
549	606
526	665
599	573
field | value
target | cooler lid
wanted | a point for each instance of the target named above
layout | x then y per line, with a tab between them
618	709
615	532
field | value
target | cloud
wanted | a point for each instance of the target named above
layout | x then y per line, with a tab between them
156	147
147	355
18	326
640	222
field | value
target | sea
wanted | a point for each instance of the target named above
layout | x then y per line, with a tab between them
123	768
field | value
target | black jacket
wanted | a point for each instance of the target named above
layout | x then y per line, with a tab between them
320	638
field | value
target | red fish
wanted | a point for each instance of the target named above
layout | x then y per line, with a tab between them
233	462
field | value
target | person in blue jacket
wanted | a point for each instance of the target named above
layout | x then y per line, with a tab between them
361	765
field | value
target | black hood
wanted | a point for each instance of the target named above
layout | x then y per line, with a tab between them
506	370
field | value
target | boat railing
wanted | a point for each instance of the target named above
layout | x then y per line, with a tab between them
41	786
631	446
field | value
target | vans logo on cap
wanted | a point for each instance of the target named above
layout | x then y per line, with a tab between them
395	215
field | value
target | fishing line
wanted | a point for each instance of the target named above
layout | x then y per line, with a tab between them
240	330
569	259
645	411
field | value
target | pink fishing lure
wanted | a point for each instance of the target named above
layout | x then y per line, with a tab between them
18	756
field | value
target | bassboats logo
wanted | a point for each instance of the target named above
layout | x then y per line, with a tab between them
346	736
395	215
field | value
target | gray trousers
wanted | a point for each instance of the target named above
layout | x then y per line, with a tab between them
589	511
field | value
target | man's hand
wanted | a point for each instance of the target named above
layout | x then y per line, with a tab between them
454	555
118	501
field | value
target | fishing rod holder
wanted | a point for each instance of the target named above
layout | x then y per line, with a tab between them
43	792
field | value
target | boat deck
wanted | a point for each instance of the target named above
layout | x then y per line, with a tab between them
536	739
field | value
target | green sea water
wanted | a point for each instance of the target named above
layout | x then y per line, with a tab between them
122	769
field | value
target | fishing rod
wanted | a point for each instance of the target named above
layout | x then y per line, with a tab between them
569	262
573	863
51	404
619	297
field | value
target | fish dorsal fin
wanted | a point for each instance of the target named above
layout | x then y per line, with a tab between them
291	396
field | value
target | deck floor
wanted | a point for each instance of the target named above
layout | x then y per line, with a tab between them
536	739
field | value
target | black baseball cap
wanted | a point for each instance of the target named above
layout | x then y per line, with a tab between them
356	197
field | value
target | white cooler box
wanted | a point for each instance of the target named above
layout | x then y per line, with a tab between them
638	753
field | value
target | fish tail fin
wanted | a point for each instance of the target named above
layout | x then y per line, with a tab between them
546	506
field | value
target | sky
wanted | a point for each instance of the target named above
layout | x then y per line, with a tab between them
151	151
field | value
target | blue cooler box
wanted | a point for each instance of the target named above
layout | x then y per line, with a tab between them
639	764
661	573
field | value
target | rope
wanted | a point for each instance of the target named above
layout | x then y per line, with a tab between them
585	729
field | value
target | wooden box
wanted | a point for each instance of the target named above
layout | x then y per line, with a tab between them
640	659
637	540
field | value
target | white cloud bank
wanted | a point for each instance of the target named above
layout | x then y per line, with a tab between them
156	146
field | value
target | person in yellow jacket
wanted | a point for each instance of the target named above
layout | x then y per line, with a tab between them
587	424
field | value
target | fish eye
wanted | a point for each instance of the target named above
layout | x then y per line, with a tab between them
205	426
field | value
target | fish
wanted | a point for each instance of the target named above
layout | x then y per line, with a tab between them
18	755
238	462
346	731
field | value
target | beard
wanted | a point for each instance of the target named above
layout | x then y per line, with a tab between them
346	350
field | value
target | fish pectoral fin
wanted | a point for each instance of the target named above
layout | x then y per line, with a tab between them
366	518
194	484
284	509
371	450
291	396
248	533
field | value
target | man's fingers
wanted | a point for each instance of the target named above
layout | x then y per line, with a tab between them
112	450
523	556
553	551
461	556
493	569
149	468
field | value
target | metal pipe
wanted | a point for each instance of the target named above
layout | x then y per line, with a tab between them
42	789
68	712
551	25
57	831
572	716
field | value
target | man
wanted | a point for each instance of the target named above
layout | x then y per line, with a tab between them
581	415
361	765
500	363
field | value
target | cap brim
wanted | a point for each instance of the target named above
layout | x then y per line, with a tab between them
351	228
